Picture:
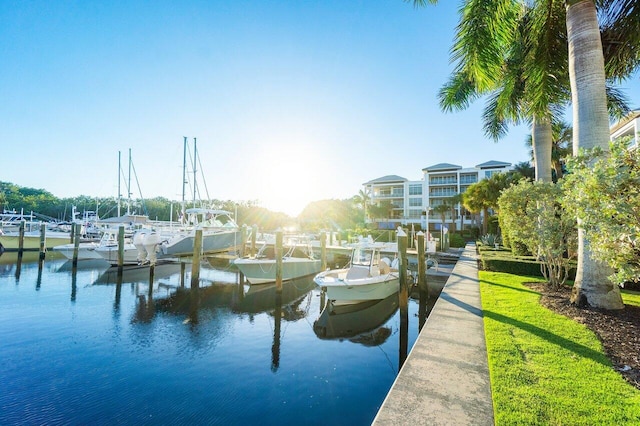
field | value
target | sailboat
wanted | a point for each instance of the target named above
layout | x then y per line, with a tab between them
220	233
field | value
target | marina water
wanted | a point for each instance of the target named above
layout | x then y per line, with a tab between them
77	347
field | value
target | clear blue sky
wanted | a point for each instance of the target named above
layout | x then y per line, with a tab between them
290	101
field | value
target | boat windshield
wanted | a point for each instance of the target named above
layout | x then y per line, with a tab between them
361	257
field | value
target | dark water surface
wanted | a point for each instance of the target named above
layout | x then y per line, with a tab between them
78	348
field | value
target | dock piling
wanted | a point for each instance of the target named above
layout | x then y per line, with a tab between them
120	247
76	244
43	240
278	256
403	297
254	235
21	240
323	250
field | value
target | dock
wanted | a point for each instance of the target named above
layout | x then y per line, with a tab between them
445	379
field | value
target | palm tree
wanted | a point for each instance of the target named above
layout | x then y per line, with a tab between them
523	170
520	70
362	199
483	196
561	146
590	119
586	70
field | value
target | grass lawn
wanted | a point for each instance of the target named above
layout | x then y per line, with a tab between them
631	297
547	369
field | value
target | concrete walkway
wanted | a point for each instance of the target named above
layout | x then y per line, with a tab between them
445	379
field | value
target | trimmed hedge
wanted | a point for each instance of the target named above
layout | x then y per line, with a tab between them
512	265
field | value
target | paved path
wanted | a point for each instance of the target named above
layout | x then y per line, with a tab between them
445	379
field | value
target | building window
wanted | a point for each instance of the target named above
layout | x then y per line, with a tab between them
415	189
415	202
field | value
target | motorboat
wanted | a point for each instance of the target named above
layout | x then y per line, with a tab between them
141	247
86	250
368	276
220	233
298	261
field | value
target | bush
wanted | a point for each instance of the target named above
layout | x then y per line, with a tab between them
456	240
519	249
514	266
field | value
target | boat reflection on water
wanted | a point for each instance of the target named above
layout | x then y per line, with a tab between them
357	322
137	274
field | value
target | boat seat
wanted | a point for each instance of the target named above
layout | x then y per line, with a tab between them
357	272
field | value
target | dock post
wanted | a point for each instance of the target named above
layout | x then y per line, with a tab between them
183	266
195	266
422	262
254	235
120	247
21	239
194	295
278	256
243	240
403	296
72	233
152	271
43	240
323	250
76	245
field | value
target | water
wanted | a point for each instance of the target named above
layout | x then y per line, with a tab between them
77	348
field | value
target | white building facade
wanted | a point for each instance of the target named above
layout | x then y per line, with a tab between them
627	127
396	201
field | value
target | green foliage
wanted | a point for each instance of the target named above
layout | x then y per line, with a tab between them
603	191
456	240
490	240
532	214
546	368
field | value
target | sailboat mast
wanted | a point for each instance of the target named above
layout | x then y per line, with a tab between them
129	186
184	175
195	184
119	191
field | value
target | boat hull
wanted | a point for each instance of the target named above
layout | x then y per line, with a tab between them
32	242
110	254
262	271
86	251
218	242
354	291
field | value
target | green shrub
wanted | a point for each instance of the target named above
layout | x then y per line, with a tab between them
519	249
456	240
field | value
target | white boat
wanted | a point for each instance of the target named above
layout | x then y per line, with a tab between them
368	276
220	233
299	261
86	251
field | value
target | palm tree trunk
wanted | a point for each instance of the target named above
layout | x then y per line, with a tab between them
542	137
590	129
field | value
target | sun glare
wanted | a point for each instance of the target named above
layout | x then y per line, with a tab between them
286	179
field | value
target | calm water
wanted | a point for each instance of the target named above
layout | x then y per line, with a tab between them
78	348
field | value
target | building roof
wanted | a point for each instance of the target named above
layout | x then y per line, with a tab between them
441	167
623	122
387	179
493	164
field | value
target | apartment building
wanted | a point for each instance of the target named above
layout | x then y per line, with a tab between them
395	200
629	126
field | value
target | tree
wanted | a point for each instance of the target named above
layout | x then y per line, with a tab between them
523	170
603	191
586	65
483	195
561	147
531	213
504	53
362	199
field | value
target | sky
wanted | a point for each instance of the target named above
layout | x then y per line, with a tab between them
290	101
